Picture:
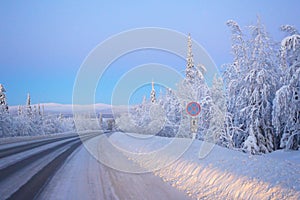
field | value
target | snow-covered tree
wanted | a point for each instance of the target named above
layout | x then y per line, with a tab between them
19	110
24	125
232	77
251	82
28	105
286	105
39	110
100	117
194	89
218	124
124	123
189	70
153	94
37	121
5	118
173	111
3	103
261	82
139	115
260	110
146	118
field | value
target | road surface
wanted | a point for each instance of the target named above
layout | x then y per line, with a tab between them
63	168
83	177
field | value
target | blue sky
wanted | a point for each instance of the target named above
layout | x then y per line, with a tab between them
43	43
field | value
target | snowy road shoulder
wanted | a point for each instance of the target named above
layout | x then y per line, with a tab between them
223	173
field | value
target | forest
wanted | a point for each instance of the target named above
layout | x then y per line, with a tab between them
253	106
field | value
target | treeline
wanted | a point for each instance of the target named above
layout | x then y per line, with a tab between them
31	120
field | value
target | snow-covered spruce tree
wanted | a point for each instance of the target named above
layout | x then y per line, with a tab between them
5	118
28	105
29	120
286	105
153	93
254	84
19	110
194	88
3	103
39	110
23	123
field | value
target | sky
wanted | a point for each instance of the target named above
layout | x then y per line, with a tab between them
44	43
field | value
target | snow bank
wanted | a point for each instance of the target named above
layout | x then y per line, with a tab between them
223	174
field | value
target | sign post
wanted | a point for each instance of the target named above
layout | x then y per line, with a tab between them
193	109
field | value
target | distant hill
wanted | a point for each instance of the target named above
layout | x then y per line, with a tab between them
67	109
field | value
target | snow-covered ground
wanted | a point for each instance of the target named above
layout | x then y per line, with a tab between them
223	174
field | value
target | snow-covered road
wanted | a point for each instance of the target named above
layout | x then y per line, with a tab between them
83	177
100	168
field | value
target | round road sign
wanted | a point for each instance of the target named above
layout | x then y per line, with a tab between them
193	108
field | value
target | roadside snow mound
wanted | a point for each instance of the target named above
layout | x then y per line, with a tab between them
223	174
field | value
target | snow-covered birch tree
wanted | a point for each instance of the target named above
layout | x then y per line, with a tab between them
286	105
232	80
250	86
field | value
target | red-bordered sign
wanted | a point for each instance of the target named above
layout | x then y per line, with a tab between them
193	108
